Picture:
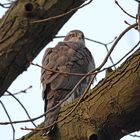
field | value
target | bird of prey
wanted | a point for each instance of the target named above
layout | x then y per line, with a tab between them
71	56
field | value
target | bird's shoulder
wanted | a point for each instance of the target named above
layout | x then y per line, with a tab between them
61	49
66	51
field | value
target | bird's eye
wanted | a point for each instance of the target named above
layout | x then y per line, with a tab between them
71	35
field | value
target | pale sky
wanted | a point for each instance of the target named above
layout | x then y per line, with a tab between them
101	21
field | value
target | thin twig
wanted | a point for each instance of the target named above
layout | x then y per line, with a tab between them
110	56
124	10
95	41
116	42
98	42
21	106
9	119
127	133
7	15
4	5
127	54
67	73
105	45
62	36
126	22
132	135
19	92
63	14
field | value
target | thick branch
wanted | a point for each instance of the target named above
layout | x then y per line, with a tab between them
21	39
111	108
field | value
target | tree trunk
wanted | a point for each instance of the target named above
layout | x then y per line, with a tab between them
21	39
108	112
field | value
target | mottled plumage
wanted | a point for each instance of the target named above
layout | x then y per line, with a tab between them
71	56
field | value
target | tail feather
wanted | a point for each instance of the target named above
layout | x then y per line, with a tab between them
51	101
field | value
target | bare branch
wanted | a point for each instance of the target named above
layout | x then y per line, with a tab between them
67	73
110	56
9	119
124	10
132	135
128	53
21	106
116	42
62	15
19	92
5	5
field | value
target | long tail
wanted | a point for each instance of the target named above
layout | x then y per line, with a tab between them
52	99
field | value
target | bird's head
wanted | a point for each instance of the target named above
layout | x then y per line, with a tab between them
75	36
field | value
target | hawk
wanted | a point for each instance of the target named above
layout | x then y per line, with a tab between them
72	56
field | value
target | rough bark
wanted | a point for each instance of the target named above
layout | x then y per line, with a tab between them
108	112
21	40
